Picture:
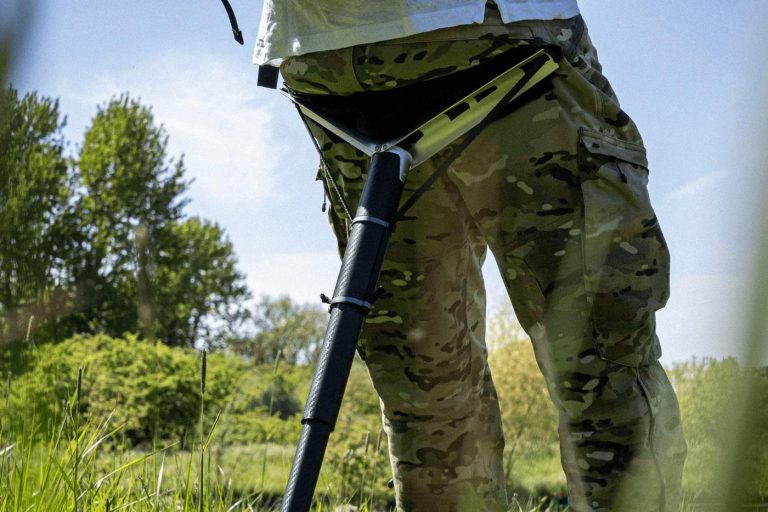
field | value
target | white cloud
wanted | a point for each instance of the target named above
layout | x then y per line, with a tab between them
696	186
211	112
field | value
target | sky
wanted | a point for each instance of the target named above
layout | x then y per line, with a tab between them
689	72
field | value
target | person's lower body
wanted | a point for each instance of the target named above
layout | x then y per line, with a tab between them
557	190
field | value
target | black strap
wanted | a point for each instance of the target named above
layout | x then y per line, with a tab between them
233	22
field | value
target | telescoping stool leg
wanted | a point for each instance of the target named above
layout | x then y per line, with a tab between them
351	302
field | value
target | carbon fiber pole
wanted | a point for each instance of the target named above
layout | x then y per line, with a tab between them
355	288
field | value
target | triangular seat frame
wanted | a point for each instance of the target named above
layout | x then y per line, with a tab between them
452	122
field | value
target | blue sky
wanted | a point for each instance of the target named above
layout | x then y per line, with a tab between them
689	72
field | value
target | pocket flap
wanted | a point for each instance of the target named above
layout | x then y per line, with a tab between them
599	143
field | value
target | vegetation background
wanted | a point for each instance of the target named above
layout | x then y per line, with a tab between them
139	375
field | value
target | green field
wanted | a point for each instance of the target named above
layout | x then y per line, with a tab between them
75	444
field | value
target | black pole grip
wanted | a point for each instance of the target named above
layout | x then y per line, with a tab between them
355	288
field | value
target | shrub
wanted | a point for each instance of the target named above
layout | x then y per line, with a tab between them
151	390
708	391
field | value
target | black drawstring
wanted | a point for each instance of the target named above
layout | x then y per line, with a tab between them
233	22
268	75
325	168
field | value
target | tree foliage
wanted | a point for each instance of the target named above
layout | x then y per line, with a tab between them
35	189
198	282
282	326
147	388
99	242
709	392
128	185
153	391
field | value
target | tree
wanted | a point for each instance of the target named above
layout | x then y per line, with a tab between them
145	266
129	186
198	287
35	189
147	389
294	331
99	243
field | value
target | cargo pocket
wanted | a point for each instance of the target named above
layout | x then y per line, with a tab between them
626	260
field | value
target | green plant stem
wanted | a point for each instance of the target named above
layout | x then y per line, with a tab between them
76	418
203	368
271	410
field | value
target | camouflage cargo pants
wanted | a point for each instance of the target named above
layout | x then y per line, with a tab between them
557	190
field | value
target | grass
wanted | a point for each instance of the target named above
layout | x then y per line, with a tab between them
88	469
539	472
82	465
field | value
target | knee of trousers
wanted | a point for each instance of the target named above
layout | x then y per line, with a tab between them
417	385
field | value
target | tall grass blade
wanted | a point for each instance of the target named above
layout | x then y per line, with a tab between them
188	481
235	505
278	357
7	449
132	504
159	483
212	431
203	443
99	440
77	437
28	337
133	463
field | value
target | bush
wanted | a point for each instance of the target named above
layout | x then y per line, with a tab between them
150	390
265	404
709	395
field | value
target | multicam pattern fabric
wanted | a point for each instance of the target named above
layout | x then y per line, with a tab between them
557	190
